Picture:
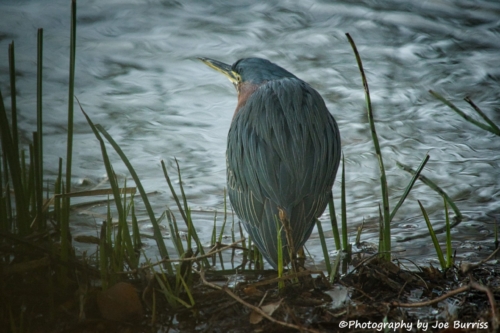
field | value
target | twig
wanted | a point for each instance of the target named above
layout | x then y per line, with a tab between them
468	267
491	299
432	301
263	298
472	285
253	307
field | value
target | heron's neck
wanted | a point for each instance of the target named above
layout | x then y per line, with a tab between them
245	90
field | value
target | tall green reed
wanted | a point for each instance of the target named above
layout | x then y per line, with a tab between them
98	130
386	214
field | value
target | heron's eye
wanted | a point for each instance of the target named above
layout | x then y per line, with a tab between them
237	76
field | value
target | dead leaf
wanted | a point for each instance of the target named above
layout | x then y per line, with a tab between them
268	309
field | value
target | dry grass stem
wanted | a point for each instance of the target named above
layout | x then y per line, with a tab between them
253	307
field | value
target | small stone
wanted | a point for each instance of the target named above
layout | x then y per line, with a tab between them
120	303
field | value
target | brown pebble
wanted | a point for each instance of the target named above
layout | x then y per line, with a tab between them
120	303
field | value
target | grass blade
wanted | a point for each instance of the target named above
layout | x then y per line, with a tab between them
214	231
189	220
174	233
156	228
381	244
484	116
335	267
225	218
463	114
435	241
333	221
174	194
71	93
433	186
31	181
13	97
183	195
449	260
135	226
65	239
323	247
133	260
57	195
11	154
38	183
343	205
103	256
158	237
38	143
39	118
410	185
383	179
109	170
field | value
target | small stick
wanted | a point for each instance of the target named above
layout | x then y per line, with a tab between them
432	301
472	285
491	298
468	267
253	307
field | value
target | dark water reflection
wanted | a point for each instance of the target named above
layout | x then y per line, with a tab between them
138	76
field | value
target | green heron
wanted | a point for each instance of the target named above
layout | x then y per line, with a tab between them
283	152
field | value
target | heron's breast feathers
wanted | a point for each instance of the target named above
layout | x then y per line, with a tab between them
283	146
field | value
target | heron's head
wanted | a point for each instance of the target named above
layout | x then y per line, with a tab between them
255	71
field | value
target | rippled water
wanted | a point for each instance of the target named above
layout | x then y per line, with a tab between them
137	75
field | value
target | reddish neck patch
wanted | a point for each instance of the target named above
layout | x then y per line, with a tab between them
245	90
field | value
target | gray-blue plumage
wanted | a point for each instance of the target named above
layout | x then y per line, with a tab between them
283	152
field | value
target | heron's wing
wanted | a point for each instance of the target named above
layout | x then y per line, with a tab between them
283	152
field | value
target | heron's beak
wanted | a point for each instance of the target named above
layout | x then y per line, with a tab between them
223	68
